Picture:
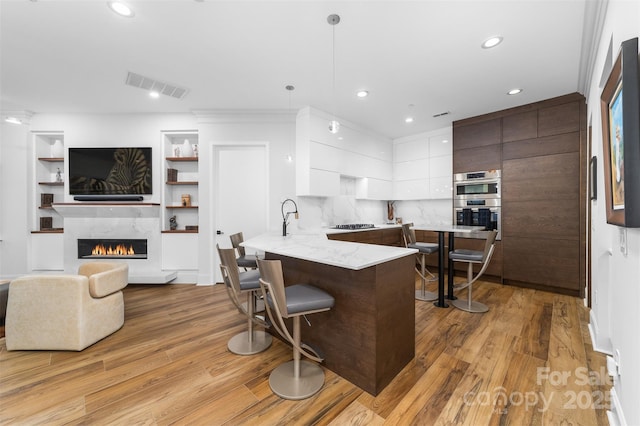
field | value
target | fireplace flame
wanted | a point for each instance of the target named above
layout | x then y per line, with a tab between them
118	250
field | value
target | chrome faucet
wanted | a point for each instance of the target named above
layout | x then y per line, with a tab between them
285	216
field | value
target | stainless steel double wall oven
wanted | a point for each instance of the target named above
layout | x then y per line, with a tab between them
476	199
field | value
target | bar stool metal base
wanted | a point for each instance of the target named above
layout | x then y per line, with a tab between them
427	296
284	384
241	345
474	307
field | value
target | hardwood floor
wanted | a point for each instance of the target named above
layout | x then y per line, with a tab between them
527	361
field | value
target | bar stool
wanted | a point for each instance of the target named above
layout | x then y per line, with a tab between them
246	261
237	283
294	379
424	249
473	257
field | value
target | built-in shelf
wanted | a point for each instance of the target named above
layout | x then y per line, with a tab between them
51	160
182	158
49	231
51	183
191	182
181	207
181	231
46	207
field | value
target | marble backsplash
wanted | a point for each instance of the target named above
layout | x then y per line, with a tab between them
329	211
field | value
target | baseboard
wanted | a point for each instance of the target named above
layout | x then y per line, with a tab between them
599	346
615	415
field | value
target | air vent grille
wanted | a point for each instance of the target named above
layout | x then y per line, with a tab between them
146	83
441	114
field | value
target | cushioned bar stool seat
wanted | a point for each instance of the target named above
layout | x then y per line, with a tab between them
472	257
246	261
424	249
295	379
251	341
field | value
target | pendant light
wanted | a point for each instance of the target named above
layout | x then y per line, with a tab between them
290	88
333	20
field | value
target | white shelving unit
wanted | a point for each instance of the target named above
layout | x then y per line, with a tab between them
46	244
186	184
180	246
49	174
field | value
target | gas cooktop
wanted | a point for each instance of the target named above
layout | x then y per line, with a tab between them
355	226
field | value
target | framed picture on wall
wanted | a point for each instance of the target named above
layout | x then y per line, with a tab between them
620	110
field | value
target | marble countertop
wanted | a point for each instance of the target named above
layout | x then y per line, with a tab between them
316	247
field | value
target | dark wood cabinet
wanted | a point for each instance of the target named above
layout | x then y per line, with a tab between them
520	126
474	135
558	119
555	144
542	263
477	146
543	162
475	159
382	236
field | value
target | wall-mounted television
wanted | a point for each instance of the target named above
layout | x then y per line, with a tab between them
110	171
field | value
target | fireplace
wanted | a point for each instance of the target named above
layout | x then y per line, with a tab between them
112	248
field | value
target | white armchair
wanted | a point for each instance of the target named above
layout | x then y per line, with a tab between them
66	312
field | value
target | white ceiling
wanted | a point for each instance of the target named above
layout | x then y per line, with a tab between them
74	56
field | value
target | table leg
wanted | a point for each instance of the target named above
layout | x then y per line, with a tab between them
451	273
440	303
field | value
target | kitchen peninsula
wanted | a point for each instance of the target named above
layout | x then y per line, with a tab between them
369	335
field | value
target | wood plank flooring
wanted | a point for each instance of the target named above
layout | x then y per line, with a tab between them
523	362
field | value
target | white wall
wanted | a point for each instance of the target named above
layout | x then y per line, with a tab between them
275	128
14	196
615	315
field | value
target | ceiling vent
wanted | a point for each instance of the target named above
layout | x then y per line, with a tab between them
149	84
441	114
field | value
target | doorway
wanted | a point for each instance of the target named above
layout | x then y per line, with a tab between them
241	193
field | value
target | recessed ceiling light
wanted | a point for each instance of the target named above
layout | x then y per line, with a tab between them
408	120
120	8
13	120
445	141
362	94
514	91
491	42
154	94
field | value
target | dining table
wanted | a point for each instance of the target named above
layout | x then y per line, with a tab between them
451	230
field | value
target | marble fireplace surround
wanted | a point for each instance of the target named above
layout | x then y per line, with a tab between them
100	220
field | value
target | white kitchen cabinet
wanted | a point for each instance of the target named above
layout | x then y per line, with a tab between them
411	170
440	188
410	150
422	167
417	189
322	157
323	183
325	157
440	167
374	189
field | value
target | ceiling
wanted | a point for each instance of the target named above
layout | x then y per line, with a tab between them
418	58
